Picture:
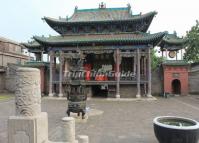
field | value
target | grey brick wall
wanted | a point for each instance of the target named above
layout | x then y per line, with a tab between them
2	81
128	91
10	83
194	82
157	82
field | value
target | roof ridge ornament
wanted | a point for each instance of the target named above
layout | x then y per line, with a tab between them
129	8
102	5
76	8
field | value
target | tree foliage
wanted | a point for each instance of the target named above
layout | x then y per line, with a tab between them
192	45
155	60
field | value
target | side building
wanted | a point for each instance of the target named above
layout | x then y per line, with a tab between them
175	69
11	54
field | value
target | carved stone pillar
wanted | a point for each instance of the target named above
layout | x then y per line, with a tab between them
60	73
29	125
28	92
138	95
149	73
51	73
118	61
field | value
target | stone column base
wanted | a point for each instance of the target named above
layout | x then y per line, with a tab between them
60	95
138	96
83	139
117	96
149	96
51	94
31	129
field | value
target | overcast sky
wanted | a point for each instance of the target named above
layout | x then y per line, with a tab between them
21	19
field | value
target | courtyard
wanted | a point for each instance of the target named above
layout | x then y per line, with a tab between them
114	121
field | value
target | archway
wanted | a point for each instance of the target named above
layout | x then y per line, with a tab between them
176	86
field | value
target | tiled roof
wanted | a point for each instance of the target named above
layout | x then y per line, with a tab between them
136	22
125	38
32	44
175	63
172	42
101	16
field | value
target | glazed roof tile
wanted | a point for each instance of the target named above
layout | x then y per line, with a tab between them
136	38
101	16
175	62
172	42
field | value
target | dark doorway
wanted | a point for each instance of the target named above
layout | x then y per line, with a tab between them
99	91
176	86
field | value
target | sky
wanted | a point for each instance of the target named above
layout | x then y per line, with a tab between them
21	19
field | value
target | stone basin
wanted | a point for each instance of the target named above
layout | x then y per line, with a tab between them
172	129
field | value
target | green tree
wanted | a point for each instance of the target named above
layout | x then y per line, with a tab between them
192	44
156	61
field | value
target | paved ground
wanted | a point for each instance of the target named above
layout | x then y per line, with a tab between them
121	121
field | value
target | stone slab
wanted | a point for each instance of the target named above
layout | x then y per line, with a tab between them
22	129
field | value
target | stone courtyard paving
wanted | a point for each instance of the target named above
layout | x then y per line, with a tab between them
118	121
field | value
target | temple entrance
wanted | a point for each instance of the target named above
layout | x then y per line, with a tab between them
99	91
176	86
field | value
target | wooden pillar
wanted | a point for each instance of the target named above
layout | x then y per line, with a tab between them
166	54
60	73
48	58
54	72
176	55
51	91
66	68
134	65
41	56
145	73
138	95
149	73
28	55
144	66
141	65
118	61
181	55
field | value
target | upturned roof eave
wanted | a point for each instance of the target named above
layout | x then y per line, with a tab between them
65	22
151	39
172	45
